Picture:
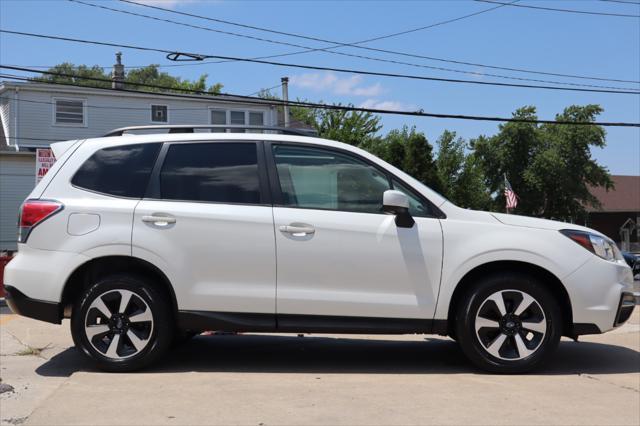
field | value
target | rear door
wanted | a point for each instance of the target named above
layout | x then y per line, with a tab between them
207	220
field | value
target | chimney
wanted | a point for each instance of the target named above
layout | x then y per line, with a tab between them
285	98
117	75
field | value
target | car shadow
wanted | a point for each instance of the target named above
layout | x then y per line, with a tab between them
291	354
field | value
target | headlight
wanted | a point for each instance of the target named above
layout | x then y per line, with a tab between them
600	246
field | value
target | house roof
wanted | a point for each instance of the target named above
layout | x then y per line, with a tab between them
625	197
59	88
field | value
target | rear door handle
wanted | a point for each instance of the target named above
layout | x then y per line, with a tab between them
159	220
298	230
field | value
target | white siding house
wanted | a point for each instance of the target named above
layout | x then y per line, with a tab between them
33	115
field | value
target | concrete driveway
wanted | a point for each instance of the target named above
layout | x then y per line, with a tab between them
318	379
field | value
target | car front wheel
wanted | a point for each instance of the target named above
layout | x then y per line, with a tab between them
122	322
508	323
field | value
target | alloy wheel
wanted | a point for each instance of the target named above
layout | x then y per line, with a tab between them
510	325
119	324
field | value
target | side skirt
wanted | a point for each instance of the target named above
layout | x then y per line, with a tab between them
291	323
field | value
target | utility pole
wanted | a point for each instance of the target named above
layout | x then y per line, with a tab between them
285	98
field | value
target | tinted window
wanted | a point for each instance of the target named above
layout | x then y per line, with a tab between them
122	170
216	172
325	179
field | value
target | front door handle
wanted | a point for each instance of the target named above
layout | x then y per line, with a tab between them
298	230
159	220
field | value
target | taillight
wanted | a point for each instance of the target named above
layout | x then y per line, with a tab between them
34	212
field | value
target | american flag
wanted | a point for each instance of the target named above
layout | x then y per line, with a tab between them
510	196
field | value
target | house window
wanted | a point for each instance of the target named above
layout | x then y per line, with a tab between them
256	118
159	113
69	112
237	118
218	117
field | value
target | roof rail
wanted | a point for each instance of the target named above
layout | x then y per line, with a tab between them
190	128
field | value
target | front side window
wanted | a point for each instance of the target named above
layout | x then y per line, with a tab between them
211	172
122	170
159	113
69	112
316	178
417	207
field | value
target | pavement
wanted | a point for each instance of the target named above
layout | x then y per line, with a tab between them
255	379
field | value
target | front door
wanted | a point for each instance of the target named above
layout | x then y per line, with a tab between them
337	253
209	223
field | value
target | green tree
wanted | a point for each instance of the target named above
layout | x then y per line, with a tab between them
460	174
147	75
549	166
77	75
352	127
409	151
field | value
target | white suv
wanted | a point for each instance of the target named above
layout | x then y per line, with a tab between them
142	239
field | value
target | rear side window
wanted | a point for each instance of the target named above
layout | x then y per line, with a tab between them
211	172
121	170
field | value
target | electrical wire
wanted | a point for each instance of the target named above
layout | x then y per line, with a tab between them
357	43
311	49
173	55
265	90
278	102
622	2
252	27
584	12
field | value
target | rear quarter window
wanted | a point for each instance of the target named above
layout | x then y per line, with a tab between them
122	171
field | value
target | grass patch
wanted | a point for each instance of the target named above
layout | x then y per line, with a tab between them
31	350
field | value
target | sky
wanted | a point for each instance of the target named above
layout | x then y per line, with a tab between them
565	43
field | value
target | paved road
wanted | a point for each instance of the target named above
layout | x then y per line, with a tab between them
283	379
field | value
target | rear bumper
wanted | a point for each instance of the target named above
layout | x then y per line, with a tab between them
625	308
41	310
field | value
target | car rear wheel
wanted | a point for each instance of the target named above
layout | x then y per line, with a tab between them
508	323
123	323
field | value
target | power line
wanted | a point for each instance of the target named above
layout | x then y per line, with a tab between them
584	12
260	101
173	55
622	2
308	49
265	90
357	43
448	21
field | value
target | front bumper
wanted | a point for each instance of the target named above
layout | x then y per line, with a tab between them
41	310
596	289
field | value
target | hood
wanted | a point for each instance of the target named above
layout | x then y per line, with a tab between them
534	222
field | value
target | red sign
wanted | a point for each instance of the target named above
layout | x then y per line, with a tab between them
44	161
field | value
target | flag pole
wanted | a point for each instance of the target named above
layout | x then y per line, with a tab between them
506	203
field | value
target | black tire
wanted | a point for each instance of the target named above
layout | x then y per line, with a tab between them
510	356
156	334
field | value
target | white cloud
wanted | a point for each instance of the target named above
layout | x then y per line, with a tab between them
329	81
390	105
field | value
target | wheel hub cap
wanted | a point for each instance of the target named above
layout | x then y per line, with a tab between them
510	325
119	324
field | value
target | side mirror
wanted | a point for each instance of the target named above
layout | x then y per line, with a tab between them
397	203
